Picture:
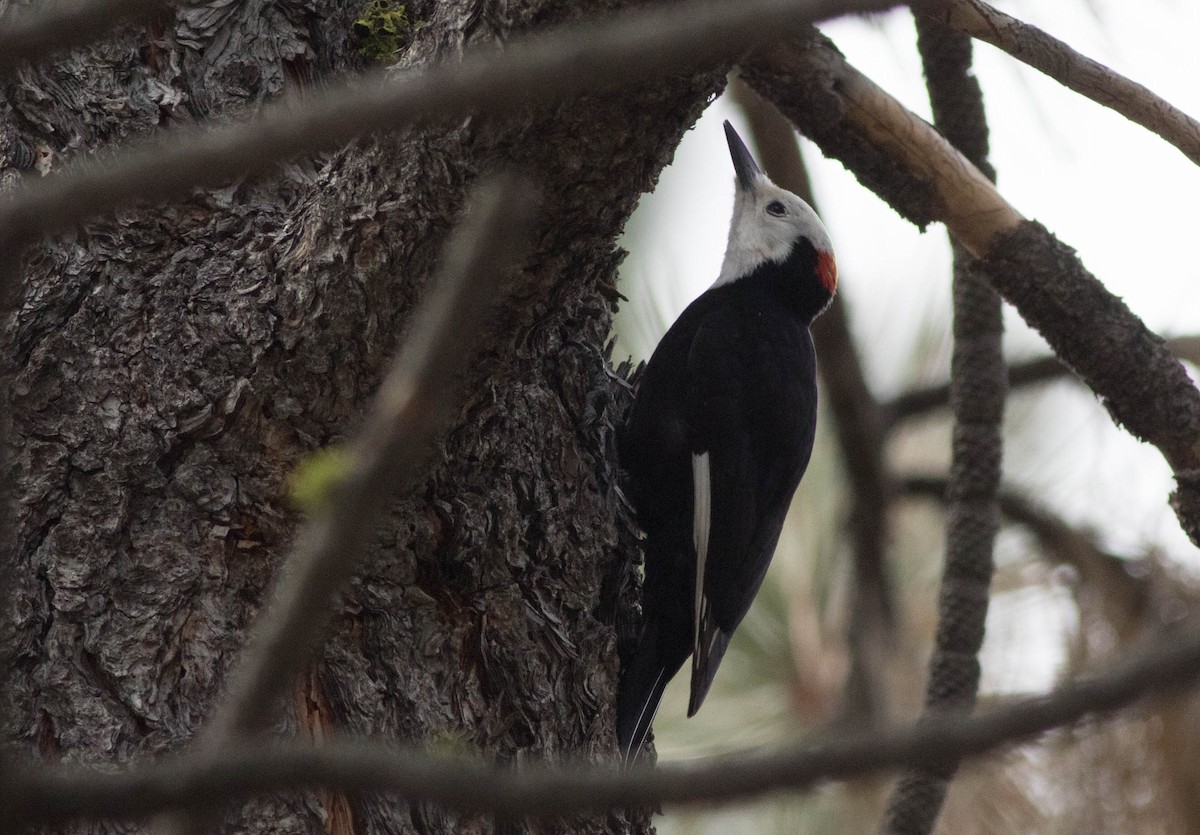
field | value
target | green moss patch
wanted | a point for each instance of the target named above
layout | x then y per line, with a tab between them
382	30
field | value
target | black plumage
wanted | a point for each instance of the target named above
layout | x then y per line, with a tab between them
734	379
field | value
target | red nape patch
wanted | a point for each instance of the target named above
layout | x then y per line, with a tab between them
827	271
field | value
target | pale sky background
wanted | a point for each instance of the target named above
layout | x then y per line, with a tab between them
1125	199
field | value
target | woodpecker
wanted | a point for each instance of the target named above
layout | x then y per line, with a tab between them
718	438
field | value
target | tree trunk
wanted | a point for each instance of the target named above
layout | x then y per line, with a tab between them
170	365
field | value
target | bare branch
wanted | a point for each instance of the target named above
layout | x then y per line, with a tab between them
919	402
1144	387
585	56
1077	72
46	796
895	153
29	35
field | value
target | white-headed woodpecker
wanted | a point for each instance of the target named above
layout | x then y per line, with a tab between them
718	438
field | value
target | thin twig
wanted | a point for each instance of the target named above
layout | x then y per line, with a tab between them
584	56
29	34
40	795
1077	72
919	402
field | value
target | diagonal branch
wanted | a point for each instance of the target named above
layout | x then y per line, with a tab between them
585	56
1144	387
29	35
1077	72
41	795
892	151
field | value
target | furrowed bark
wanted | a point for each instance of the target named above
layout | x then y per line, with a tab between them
31	35
171	366
407	414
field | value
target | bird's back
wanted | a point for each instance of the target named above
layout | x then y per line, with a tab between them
719	437
736	371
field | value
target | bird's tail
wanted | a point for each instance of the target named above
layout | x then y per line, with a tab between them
710	648
643	681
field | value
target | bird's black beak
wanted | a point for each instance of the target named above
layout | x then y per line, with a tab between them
743	164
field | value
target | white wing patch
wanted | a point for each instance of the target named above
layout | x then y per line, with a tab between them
701	523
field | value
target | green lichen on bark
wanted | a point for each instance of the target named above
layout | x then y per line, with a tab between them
382	30
316	477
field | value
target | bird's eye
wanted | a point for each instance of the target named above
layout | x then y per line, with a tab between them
776	208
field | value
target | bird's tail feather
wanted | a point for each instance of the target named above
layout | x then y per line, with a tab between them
706	658
642	684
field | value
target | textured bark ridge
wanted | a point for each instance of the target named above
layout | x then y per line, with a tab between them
1030	267
172	364
1168	412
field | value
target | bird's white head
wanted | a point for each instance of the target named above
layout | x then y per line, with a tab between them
768	222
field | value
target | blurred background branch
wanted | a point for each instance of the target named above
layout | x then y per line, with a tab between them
31	33
45	796
978	385
1077	72
918	402
623	49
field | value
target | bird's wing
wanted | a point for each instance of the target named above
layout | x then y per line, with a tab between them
742	391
